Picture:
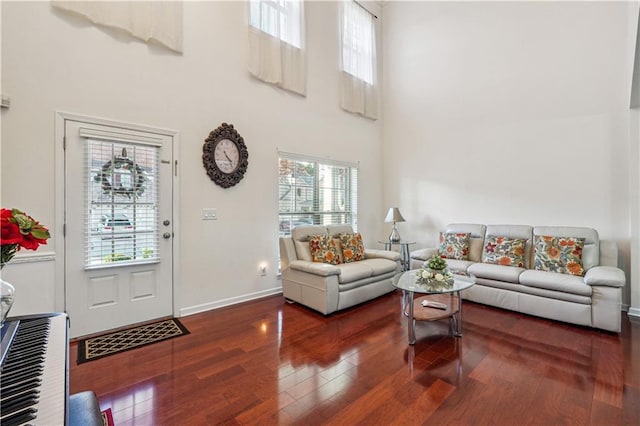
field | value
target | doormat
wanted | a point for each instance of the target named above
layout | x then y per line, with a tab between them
107	417
123	340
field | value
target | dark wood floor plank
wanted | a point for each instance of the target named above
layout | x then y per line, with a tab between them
267	362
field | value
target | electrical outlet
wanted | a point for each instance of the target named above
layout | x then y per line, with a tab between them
209	214
263	270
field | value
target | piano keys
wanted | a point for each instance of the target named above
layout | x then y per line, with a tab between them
34	371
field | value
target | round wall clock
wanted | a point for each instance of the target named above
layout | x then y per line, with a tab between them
225	156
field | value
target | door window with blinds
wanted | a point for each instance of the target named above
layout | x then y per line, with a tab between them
122	203
316	191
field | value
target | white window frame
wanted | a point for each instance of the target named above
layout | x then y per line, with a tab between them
314	188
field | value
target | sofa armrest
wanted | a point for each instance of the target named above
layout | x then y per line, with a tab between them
321	269
287	252
605	276
384	254
423	254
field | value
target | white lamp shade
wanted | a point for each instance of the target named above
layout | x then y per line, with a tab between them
394	215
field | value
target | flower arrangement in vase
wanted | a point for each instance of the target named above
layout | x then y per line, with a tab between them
17	230
435	273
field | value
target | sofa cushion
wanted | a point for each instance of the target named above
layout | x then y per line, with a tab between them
375	267
516	289
520	232
508	274
558	254
352	247
553	281
424	253
325	249
476	240
455	265
354	271
454	245
381	266
504	251
591	249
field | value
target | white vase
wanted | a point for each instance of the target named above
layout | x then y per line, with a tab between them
7	296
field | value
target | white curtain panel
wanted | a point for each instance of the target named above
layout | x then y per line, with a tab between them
277	44
358	76
160	21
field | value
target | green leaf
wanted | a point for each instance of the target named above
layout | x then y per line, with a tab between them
40	233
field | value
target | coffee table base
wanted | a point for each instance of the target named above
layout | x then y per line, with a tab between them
414	311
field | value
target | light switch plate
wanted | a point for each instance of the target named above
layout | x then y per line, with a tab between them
209	214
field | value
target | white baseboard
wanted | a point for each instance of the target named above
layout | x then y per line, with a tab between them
634	312
228	302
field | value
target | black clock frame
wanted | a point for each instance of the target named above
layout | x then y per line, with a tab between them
225	180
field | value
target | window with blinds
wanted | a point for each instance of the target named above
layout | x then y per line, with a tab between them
315	191
121	219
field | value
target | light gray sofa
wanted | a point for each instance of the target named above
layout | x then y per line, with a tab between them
592	300
328	288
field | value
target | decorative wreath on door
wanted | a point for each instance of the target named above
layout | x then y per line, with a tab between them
118	163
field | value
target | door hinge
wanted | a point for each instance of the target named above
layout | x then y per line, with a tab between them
176	171
64	143
64	229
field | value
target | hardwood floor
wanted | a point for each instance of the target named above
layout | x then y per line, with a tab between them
268	362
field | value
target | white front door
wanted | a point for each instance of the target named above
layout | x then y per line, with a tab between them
118	226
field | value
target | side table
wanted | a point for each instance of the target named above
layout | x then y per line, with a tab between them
404	251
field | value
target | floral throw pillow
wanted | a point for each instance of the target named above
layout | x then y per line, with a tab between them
352	247
558	254
454	245
504	251
325	249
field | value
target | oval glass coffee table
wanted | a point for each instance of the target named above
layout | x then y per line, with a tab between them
445	294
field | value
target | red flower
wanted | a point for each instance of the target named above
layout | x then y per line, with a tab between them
18	230
9	231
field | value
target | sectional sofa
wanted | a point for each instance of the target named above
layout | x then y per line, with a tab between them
561	273
337	276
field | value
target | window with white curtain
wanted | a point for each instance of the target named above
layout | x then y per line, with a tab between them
316	191
277	43
279	18
146	20
358	60
358	42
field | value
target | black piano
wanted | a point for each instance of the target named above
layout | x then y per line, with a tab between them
34	375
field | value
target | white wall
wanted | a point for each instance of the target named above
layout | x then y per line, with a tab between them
55	62
634	160
493	112
508	112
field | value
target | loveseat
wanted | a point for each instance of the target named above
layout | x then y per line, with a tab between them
340	276
561	273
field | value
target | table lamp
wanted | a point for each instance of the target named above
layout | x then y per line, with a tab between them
394	216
